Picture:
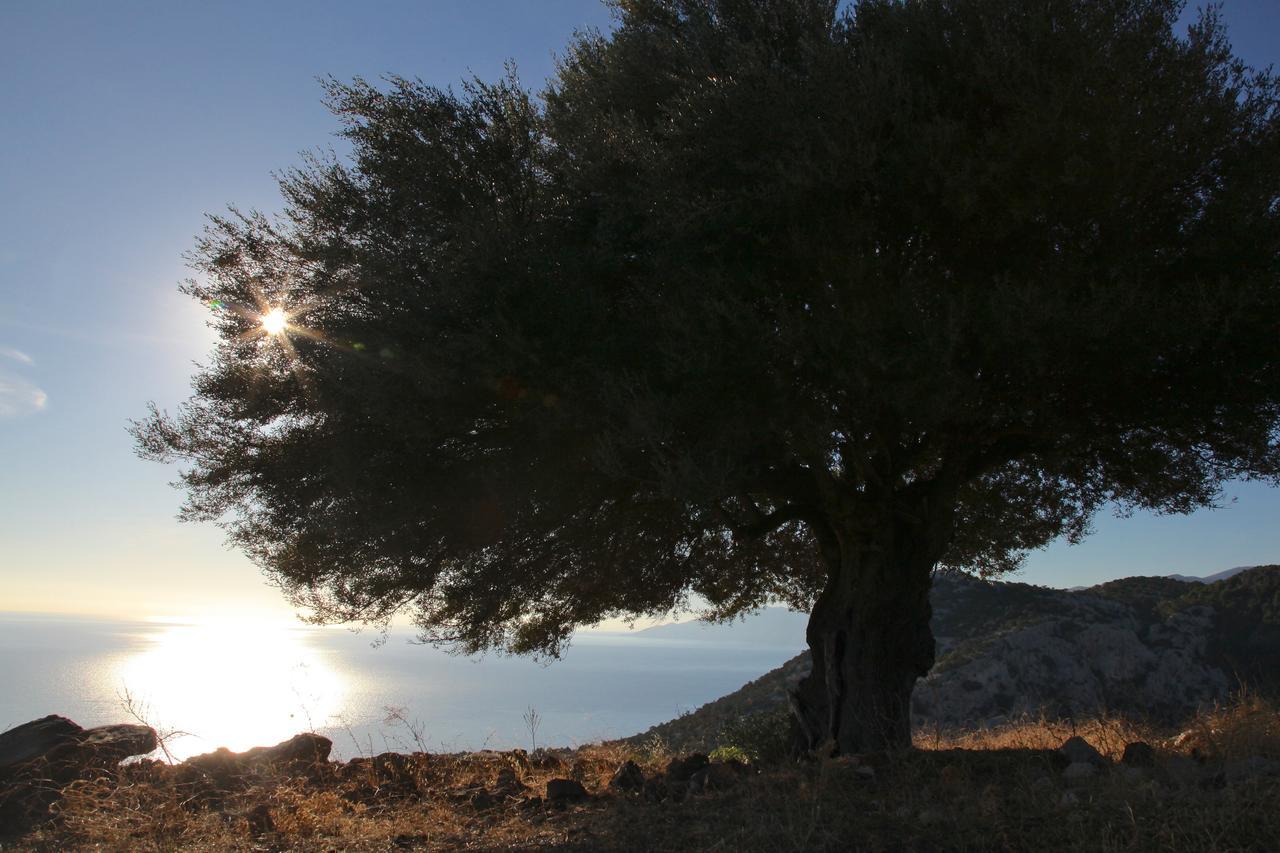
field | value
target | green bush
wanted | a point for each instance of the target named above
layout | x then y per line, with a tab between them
764	737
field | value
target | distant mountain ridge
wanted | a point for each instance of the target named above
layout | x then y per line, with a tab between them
1220	576
778	626
1156	647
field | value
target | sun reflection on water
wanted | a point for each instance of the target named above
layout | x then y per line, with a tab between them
230	684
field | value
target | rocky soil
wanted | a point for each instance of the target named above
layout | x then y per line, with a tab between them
1100	785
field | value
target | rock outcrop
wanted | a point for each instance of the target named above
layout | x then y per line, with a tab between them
37	759
223	769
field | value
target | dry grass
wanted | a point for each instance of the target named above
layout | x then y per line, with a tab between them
990	790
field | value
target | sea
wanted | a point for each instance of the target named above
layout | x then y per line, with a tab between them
204	685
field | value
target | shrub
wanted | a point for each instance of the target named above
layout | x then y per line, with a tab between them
763	737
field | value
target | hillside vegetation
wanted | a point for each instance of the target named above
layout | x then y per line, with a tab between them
1156	649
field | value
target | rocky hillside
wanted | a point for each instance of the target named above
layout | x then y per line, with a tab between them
1150	647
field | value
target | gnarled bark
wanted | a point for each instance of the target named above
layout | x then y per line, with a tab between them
870	639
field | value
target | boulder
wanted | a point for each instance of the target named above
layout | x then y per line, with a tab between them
508	783
716	776
299	753
113	744
1138	754
482	799
35	739
1078	750
304	749
39	758
560	791
55	740
655	790
682	769
628	777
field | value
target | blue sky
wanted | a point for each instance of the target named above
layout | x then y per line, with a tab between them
123	124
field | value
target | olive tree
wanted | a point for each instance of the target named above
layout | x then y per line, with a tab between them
757	301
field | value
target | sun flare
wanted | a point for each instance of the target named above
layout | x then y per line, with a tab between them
231	684
274	321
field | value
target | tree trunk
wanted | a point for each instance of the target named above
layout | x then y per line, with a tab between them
870	640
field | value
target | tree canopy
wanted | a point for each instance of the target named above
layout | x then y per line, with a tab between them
758	301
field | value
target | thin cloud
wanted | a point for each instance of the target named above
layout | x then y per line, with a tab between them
16	355
19	397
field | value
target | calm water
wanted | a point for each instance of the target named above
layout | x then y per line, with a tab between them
246	685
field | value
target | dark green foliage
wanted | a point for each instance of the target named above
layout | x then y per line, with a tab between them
756	302
1145	595
764	737
968	609
1247	621
1252	596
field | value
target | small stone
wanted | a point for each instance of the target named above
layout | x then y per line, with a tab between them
1079	750
1068	799
864	773
565	791
628	777
1138	754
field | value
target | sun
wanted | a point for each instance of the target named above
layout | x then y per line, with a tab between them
274	321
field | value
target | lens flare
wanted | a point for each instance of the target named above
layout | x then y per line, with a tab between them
274	321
